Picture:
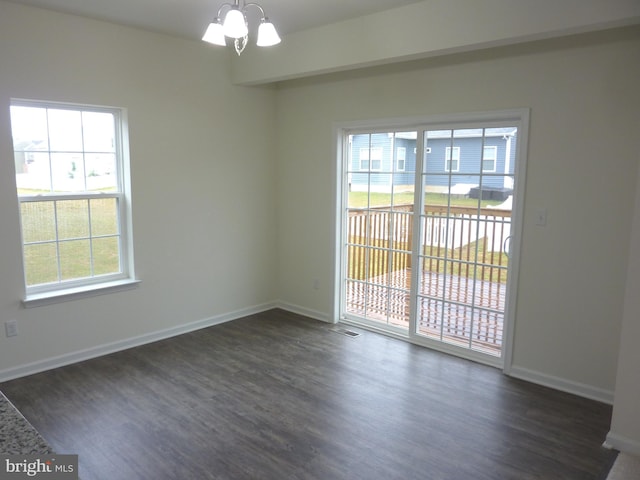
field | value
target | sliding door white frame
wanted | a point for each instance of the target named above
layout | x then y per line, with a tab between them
516	117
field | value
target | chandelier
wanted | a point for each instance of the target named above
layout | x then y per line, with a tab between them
236	26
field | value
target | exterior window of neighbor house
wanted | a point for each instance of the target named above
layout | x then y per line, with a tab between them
489	158
72	183
371	158
401	157
452	159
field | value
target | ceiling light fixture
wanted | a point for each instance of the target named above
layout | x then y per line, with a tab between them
236	26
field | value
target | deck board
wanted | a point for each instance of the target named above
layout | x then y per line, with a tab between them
451	308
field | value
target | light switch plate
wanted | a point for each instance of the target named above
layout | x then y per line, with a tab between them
541	217
11	328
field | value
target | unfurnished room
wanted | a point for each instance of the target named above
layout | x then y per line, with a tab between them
374	239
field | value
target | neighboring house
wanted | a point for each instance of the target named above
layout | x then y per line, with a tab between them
68	172
23	155
456	165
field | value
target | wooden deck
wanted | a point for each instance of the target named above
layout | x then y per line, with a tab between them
452	309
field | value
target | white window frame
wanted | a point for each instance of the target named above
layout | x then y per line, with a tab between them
376	156
493	158
449	159
401	156
63	290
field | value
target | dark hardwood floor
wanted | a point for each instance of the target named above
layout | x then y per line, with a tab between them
279	396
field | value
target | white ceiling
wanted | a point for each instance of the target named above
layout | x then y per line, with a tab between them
189	18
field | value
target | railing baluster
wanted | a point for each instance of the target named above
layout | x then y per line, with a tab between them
380	243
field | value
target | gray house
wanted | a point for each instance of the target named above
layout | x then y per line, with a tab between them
466	162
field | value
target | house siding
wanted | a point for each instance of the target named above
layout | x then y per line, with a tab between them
385	174
470	156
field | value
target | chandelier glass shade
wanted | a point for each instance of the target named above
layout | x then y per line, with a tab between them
235	25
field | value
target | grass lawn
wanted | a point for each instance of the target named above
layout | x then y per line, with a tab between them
375	199
85	241
69	239
492	265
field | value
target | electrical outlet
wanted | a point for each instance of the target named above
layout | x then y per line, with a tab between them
11	328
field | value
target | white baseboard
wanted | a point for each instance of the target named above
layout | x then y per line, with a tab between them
562	384
623	444
307	312
557	383
105	349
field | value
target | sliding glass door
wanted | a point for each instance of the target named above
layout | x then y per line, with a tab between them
467	182
380	197
428	233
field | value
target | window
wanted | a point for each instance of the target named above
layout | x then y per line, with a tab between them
401	157
71	175
489	158
371	158
452	159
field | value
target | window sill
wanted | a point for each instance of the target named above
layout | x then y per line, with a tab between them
48	298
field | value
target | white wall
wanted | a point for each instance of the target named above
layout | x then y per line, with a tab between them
581	167
625	425
202	164
427	29
207	195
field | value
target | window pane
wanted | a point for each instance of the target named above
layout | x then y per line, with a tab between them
101	172
104	217
65	130
38	222
437	153
29	128
40	263
75	259
33	174
452	158
375	158
73	219
401	155
467	153
67	172
467	133
98	130
402	197
106	255
379	223
489	157
380	189
364	159
496	188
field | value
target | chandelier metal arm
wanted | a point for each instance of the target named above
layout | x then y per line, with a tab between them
228	5
246	5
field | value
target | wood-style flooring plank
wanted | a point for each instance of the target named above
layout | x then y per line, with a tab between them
278	396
